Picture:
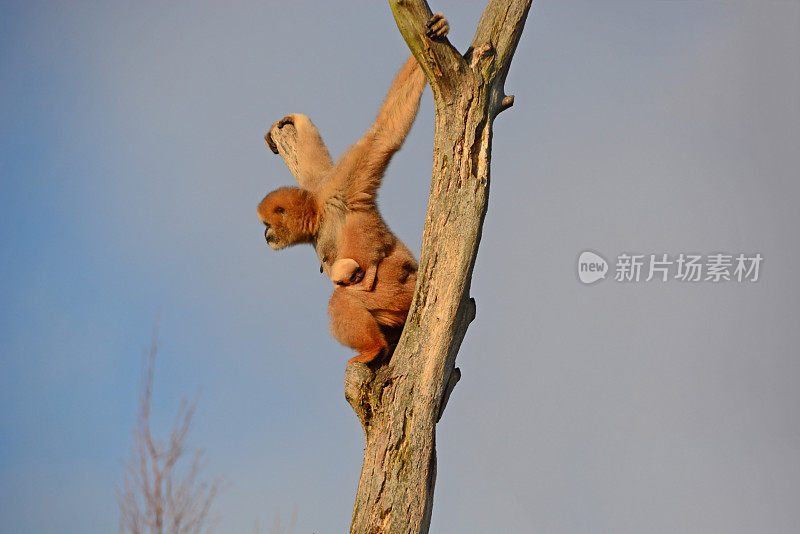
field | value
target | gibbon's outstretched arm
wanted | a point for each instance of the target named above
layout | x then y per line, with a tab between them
309	160
357	175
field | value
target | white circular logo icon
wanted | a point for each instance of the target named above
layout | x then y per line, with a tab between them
591	267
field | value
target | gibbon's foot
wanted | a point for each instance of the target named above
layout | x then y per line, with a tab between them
346	271
366	356
288	119
437	27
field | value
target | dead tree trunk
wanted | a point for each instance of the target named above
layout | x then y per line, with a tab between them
400	403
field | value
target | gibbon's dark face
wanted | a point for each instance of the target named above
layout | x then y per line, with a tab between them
288	215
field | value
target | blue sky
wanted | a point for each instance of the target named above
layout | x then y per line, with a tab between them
132	159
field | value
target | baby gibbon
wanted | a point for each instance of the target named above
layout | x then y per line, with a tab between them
335	210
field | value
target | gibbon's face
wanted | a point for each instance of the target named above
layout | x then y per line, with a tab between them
287	214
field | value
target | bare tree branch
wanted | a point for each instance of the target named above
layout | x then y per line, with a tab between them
158	496
284	137
501	27
400	404
443	65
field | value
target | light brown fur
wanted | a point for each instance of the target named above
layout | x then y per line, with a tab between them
335	209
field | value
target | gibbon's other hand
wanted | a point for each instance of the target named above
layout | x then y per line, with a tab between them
280	124
437	27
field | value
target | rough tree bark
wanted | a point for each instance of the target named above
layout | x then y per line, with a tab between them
400	403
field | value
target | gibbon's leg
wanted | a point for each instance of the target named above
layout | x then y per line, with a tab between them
368	281
298	142
354	326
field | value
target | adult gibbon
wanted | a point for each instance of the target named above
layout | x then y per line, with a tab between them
335	209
